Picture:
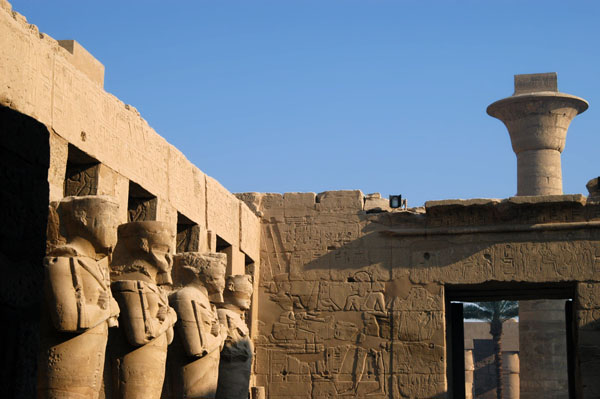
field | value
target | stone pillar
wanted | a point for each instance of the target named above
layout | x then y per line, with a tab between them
537	117
469	373
588	342
510	376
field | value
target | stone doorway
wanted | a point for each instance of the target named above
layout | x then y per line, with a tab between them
487	358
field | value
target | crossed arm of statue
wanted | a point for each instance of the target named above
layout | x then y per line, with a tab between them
145	311
199	327
78	294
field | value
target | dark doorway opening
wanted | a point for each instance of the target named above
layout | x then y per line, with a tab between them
480	366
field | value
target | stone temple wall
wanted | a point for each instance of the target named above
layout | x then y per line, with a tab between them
352	303
353	296
64	91
64	135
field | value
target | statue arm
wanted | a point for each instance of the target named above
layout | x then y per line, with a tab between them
66	300
135	312
189	328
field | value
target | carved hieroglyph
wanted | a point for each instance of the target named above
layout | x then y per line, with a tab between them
141	263
236	356
78	300
200	332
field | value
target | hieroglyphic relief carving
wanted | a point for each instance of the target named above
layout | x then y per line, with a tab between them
142	262
336	324
515	261
188	238
81	180
78	299
419	386
141	209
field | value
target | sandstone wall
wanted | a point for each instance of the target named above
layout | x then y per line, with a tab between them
61	85
353	303
53	106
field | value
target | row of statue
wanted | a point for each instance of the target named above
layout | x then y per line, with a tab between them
90	288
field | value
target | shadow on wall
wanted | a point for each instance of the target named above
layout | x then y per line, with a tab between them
24	162
456	259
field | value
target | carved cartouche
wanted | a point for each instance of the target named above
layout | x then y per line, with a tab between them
142	261
236	356
78	306
201	334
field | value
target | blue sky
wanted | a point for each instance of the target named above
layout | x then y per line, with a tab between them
381	96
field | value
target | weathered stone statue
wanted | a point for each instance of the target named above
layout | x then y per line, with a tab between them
201	334
236	356
142	261
79	306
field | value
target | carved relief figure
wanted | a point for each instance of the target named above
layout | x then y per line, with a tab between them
141	263
236	355
79	305
366	297
201	334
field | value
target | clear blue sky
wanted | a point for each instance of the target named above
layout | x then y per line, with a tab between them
382	96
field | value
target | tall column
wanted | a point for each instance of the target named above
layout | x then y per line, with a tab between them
537	117
510	378
469	373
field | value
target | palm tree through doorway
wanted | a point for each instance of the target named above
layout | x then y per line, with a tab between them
495	313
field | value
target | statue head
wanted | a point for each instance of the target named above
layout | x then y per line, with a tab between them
93	218
145	247
206	269
238	291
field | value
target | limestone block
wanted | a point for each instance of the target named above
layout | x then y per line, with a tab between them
59	152
272	206
166	212
250	233
252	200
348	201
223	212
84	61
113	184
25	68
299	204
200	197
186	183
235	261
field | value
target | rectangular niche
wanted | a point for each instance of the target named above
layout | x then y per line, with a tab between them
81	176
249	265
141	205
188	234
222	245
